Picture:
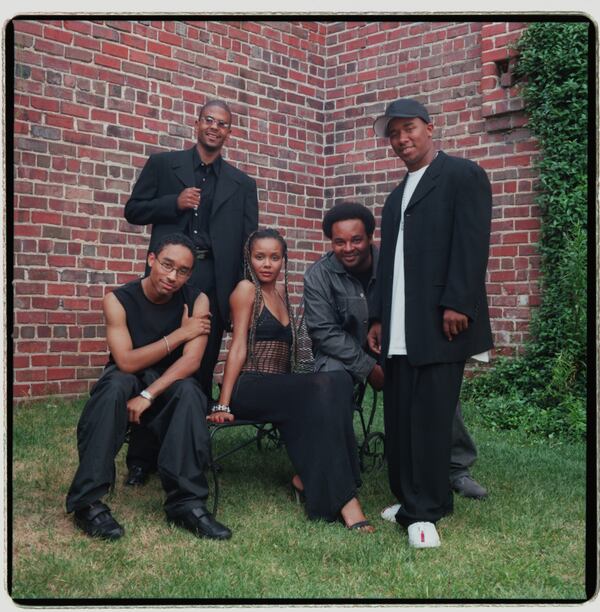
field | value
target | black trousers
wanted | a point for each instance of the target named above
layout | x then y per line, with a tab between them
178	421
143	445
419	408
463	452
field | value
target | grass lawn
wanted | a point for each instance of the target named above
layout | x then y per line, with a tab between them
525	542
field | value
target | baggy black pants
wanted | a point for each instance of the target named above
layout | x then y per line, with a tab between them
177	419
419	408
463	453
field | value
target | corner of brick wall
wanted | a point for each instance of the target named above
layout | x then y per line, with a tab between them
93	98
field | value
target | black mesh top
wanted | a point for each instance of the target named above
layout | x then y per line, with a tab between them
272	343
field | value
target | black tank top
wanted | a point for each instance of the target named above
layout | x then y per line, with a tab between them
148	322
268	327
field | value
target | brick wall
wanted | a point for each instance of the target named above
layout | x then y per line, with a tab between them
94	98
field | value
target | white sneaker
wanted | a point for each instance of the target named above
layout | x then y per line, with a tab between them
423	535
389	513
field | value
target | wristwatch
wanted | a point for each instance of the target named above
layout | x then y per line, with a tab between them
147	395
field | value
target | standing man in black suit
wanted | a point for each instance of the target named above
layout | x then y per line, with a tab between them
430	312
198	193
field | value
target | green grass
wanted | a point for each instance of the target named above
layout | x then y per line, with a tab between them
525	542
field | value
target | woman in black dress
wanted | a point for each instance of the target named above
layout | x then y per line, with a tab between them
313	412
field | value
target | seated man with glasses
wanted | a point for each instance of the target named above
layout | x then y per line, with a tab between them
198	193
156	331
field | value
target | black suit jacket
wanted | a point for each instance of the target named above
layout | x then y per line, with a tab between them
233	218
446	243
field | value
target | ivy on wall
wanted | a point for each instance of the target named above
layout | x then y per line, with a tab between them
543	391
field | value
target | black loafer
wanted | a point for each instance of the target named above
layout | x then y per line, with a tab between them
97	521
202	524
137	476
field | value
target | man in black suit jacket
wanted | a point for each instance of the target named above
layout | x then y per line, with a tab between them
430	313
196	192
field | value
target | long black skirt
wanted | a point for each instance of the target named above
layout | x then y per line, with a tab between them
314	414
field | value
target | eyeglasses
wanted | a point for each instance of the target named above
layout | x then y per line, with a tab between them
209	120
168	267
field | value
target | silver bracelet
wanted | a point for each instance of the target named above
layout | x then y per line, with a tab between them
167	343
221	408
147	395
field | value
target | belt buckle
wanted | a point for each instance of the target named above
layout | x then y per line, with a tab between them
202	253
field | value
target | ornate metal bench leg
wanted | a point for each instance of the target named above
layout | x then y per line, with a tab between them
214	468
372	452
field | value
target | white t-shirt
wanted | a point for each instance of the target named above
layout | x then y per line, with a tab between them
397	323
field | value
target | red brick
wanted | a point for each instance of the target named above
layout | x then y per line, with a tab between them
30	375
526	224
515	238
45	104
159	49
60	373
78	387
75	360
44	361
22	318
107	61
60	318
31	347
45	303
22	391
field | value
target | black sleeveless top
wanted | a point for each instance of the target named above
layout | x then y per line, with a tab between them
272	342
268	327
148	322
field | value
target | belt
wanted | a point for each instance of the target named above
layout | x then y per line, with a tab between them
203	253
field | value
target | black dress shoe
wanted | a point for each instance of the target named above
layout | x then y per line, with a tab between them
202	524
137	476
97	521
467	486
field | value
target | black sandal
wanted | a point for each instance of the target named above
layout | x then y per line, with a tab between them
359	526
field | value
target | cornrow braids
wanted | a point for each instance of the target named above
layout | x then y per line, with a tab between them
258	297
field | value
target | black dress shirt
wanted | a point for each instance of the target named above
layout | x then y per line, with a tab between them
205	176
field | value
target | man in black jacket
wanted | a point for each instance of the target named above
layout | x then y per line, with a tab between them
430	313
198	193
337	290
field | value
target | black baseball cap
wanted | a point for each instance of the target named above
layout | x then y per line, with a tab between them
407	107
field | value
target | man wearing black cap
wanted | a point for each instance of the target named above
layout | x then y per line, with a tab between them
430	311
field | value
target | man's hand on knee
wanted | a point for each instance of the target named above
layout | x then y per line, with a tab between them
136	406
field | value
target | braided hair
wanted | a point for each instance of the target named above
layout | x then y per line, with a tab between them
258	297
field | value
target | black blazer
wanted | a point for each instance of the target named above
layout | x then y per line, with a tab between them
446	243
233	218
